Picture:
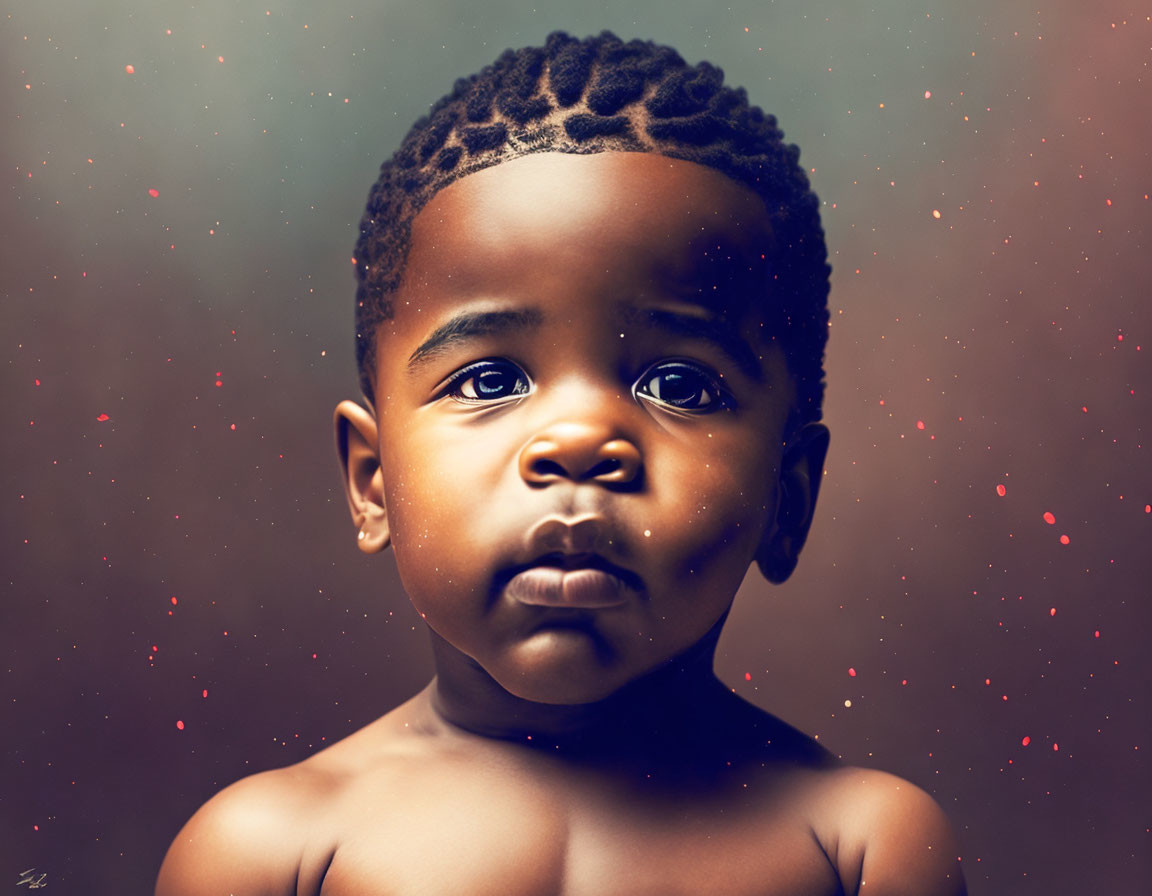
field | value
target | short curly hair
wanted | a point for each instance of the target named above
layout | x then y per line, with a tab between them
594	95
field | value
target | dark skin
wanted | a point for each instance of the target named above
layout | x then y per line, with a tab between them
583	437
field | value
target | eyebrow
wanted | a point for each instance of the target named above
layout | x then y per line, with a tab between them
469	325
714	330
472	324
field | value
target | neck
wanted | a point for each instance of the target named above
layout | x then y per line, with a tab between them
669	702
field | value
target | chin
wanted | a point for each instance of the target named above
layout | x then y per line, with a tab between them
561	673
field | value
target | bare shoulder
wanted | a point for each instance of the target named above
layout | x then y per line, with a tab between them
886	836
275	832
248	839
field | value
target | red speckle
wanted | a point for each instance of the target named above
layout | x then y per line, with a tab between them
1052	612
1119	337
220	58
233	426
37	382
180	724
130	69
153	192
1084	409
1148	508
204	693
852	672
173	600
919	424
155	649
1049	518
927	94
1001	490
1097	635
903	682
1064	539
747	675
102	417
1055	746
881	402
1027	740
353	259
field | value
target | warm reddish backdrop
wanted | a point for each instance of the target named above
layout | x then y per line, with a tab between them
196	540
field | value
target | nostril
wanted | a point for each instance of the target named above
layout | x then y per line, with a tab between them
581	457
605	468
546	469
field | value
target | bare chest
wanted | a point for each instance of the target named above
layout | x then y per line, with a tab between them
502	835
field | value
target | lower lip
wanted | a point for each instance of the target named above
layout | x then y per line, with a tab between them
547	586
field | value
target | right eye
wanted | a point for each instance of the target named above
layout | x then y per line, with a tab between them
487	381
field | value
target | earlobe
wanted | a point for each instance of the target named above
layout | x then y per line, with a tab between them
801	470
357	438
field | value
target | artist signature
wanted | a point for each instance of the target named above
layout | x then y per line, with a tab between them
29	877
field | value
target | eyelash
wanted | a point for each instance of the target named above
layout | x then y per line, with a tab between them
705	384
474	372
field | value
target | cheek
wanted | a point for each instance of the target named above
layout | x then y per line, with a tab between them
720	504
440	505
425	480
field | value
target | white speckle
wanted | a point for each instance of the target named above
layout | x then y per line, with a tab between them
647	533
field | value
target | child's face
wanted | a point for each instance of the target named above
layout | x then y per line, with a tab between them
580	418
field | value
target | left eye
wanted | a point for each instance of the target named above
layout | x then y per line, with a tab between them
488	381
682	386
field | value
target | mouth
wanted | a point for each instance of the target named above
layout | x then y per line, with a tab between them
578	581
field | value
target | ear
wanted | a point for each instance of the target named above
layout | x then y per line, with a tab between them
801	470
357	438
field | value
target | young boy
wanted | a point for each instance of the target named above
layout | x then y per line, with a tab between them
591	320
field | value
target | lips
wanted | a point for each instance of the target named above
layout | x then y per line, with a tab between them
574	581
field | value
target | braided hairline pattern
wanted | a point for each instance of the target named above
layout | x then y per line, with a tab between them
602	95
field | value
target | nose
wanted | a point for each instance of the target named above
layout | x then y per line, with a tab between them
580	452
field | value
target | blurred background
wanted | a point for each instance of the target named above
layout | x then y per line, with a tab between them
181	599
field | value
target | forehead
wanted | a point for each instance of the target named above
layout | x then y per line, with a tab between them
610	225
